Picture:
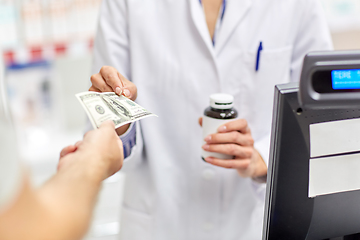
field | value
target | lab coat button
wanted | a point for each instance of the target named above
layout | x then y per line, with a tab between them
208	174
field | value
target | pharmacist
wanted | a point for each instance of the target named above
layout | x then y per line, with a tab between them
176	54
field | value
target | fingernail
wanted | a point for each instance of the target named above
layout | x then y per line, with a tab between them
126	93
206	147
208	138
208	159
118	91
222	129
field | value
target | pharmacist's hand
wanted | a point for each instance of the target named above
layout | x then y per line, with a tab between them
101	151
110	80
234	138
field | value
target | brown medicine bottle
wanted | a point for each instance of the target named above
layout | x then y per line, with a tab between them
219	112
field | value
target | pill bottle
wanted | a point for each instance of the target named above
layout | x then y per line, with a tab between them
219	112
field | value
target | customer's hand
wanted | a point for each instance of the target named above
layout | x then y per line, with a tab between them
110	80
101	149
234	138
69	149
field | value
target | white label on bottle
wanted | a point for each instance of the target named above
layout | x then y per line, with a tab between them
210	126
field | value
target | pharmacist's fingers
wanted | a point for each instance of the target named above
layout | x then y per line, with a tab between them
229	163
94	89
240	125
129	88
230	149
98	82
200	121
111	77
230	137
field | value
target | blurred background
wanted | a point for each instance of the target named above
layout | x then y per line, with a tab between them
46	50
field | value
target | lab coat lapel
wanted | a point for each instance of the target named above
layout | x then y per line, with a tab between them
235	11
198	17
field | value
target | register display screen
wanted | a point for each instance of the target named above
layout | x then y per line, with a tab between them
345	79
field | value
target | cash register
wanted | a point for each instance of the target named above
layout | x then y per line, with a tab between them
313	183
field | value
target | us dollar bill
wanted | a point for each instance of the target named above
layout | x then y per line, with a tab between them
101	107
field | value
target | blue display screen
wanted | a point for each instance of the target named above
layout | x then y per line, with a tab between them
345	79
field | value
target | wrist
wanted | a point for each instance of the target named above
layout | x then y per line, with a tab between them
260	173
89	164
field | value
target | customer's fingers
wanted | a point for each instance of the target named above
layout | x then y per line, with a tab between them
66	150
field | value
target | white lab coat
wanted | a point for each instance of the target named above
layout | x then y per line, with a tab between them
164	47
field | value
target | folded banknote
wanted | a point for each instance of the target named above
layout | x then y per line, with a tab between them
105	106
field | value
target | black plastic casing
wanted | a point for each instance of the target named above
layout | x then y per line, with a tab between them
289	213
316	63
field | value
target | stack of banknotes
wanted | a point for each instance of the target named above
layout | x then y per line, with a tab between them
101	107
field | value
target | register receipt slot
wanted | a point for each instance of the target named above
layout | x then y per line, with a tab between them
314	166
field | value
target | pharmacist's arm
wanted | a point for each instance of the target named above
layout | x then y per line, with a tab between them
234	138
61	209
